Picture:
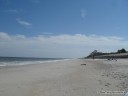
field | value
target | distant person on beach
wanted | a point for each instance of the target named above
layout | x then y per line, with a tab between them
93	57
112	58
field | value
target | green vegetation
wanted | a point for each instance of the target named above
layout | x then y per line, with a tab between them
121	51
95	53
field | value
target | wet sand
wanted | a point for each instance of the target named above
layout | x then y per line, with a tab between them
77	77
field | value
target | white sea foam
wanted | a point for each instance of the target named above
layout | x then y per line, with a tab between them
20	63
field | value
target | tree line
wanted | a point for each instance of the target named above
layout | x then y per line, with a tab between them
96	53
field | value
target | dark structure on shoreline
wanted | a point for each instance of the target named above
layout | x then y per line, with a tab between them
122	53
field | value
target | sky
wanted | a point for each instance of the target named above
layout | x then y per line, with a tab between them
62	28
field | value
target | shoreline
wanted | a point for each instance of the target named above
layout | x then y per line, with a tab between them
35	63
77	77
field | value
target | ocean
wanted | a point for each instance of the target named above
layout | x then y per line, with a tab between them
16	61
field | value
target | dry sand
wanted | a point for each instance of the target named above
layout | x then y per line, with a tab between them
77	77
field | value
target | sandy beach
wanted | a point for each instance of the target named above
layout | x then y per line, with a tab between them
78	77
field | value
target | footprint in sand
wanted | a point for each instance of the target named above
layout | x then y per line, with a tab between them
83	64
107	84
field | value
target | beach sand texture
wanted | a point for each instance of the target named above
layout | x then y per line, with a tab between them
79	77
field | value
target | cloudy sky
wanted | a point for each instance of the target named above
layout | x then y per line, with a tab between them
62	28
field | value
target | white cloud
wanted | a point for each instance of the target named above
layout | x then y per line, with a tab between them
4	37
24	23
47	33
77	45
83	13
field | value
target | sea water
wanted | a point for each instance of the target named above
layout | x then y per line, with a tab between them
16	61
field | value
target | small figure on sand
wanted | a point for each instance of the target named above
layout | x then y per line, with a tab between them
93	57
112	58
